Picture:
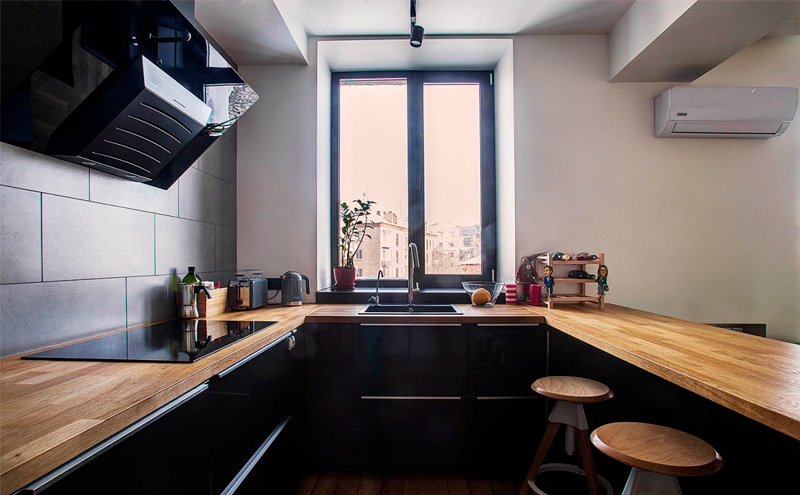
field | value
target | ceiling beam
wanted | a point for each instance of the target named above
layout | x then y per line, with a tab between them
680	40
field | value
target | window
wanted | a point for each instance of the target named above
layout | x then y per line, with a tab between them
421	145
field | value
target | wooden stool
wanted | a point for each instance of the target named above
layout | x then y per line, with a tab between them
571	393
656	454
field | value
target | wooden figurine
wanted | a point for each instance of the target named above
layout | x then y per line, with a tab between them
524	279
548	280
602	280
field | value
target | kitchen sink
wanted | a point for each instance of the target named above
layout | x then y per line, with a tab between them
414	309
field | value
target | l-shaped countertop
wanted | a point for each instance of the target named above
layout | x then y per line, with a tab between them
51	411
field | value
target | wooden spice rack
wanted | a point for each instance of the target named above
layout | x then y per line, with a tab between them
547	259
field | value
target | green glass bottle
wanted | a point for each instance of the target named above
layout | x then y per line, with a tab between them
192	277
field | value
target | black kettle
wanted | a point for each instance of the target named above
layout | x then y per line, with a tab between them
292	288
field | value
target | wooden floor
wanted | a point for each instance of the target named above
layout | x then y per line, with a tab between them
399	483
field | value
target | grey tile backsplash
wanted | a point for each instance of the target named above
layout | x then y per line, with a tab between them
84	252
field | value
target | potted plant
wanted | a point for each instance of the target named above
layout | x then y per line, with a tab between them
354	231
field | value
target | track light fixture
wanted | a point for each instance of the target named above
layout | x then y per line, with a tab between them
416	30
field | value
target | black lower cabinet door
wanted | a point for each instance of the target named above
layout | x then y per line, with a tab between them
247	402
505	360
331	432
167	455
506	418
504	433
411	360
421	432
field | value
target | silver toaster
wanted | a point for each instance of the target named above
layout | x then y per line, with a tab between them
247	292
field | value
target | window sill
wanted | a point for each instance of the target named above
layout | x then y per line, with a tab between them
396	295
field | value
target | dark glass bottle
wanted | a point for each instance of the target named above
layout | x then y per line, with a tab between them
192	277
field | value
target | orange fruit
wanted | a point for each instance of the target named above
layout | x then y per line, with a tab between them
481	296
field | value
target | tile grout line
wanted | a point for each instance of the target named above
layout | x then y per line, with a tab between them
41	235
126	302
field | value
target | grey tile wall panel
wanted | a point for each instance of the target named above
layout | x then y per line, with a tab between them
21	236
151	299
112	190
207	198
29	170
44	314
220	160
225	248
181	243
82	240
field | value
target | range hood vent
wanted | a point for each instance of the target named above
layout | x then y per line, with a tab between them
133	125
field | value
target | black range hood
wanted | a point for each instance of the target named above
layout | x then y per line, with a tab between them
131	88
132	125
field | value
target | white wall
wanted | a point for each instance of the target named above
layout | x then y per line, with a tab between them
702	229
277	188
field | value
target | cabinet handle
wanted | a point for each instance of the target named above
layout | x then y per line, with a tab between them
256	354
508	324
509	397
410	324
407	397
81	459
251	463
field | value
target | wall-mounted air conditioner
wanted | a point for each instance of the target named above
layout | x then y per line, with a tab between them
688	111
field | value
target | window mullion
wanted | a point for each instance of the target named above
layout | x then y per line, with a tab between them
416	168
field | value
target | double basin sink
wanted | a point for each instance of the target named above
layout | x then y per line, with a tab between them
412	309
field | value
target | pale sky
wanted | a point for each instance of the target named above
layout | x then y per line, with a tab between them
374	157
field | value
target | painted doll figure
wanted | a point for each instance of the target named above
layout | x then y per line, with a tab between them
548	281
602	280
524	279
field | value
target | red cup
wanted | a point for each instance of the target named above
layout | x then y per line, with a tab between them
536	295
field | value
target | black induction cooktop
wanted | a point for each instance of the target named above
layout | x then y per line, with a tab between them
182	341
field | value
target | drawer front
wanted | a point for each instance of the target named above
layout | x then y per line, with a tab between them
429	432
411	360
246	405
506	360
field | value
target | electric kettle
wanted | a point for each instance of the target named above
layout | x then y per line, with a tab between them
292	288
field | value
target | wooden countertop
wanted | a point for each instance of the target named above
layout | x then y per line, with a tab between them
754	376
52	411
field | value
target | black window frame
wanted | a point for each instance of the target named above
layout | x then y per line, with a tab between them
416	169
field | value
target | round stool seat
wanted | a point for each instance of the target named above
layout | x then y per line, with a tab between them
657	449
572	389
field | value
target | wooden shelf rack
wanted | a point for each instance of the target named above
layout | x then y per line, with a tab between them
581	297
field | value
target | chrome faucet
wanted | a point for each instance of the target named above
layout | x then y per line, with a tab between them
413	262
377	298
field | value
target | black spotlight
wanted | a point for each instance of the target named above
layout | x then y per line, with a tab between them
416	30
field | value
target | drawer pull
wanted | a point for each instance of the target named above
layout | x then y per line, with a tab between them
509	397
251	463
256	354
508	324
410	324
406	397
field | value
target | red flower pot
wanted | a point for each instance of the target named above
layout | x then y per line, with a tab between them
344	278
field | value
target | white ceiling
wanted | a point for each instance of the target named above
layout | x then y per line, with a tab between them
451	17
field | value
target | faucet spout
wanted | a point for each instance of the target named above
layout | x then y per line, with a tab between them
377	298
413	263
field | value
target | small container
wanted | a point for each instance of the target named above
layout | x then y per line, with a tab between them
536	295
511	293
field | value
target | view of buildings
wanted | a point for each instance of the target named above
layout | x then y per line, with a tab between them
449	248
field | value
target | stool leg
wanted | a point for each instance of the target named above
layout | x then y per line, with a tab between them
585	451
645	482
544	446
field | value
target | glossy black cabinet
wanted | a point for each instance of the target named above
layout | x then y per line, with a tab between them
506	418
164	453
332	436
411	360
251	407
411	384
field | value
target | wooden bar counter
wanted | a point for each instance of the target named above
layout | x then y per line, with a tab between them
51	411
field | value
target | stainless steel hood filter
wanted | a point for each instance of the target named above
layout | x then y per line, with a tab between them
136	122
